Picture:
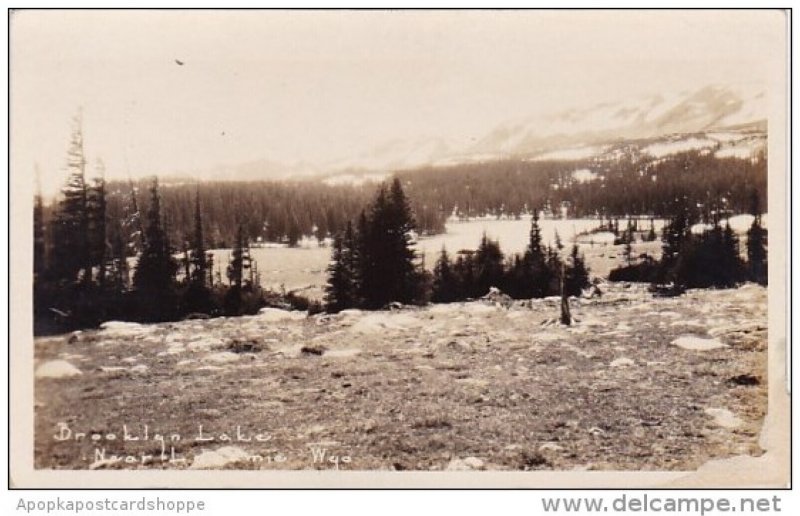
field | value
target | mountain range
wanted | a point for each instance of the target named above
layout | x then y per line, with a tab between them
729	119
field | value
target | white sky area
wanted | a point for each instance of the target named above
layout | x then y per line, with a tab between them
320	86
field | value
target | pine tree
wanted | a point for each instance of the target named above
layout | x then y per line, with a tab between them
238	265
627	251
674	237
757	263
71	224
577	274
198	257
732	262
535	275
651	235
342	289
489	265
39	249
96	214
386	259
338	281
400	230
464	270
445	285
119	274
554	266
155	271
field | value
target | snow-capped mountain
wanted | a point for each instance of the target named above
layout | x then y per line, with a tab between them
730	121
707	109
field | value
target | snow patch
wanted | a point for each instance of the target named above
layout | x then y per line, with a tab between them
380	322
585	175
278	315
480	308
697	343
215	459
204	344
724	418
572	153
660	150
342	353
57	369
622	362
121	329
222	357
466	464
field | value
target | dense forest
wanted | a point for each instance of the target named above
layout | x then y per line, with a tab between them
287	211
612	188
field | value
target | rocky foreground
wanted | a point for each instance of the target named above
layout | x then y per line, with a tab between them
636	383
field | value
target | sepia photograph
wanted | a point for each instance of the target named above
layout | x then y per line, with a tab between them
398	248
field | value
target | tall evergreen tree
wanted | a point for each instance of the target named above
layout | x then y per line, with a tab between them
489	265
757	263
342	289
535	276
731	257
96	214
198	257
401	227
674	236
154	277
387	269
445	283
39	248
577	274
119	273
198	293
71	224
238	267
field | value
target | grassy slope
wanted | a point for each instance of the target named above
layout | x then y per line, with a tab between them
418	388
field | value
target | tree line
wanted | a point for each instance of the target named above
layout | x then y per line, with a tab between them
707	259
82	272
373	264
630	185
287	211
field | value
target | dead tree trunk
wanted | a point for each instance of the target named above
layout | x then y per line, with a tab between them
566	318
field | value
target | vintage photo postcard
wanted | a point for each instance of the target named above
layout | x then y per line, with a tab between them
382	248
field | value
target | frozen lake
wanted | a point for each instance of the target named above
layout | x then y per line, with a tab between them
304	267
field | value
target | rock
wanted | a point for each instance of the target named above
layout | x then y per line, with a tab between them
498	298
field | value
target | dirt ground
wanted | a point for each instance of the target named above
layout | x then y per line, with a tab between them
463	386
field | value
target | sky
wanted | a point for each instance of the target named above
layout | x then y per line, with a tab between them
310	86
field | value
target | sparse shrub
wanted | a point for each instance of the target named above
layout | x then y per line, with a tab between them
313	349
245	346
